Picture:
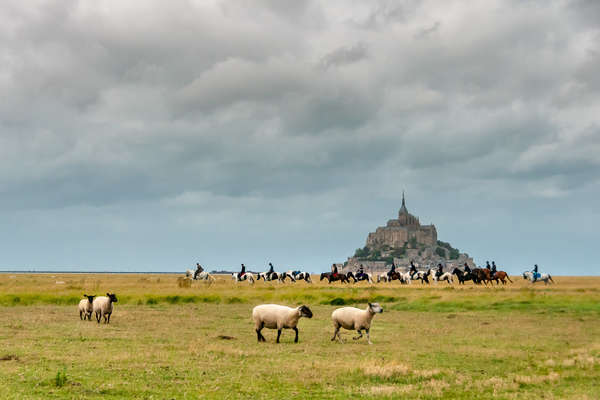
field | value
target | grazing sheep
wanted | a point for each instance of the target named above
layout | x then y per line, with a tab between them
103	307
85	307
354	319
274	316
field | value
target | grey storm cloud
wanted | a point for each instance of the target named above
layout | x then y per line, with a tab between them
116	104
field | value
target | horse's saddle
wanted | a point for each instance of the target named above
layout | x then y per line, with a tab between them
537	275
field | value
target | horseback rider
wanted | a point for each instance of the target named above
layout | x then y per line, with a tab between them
467	268
413	269
199	269
440	270
392	270
535	272
489	268
334	270
360	272
270	272
242	272
493	271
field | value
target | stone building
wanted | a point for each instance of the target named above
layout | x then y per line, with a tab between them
403	240
402	232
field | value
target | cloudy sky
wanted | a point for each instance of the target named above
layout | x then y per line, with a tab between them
150	135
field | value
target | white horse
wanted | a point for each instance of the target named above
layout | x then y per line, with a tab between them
287	274
405	278
543	277
247	276
303	276
421	275
382	277
446	276
273	276
205	276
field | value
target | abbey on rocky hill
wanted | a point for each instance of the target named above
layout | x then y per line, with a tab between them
403	240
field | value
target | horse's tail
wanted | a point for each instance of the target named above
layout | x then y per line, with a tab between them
508	277
550	277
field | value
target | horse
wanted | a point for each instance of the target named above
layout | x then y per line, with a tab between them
501	276
205	276
382	277
446	276
247	276
405	278
333	278
364	277
463	276
288	274
266	276
305	276
422	276
479	275
543	277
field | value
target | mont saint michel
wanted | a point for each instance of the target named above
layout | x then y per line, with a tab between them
404	239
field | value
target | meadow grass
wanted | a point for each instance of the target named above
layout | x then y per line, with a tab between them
165	341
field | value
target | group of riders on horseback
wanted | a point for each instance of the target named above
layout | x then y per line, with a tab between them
492	272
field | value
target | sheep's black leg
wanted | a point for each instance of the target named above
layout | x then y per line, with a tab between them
80	316
278	334
98	317
258	335
296	339
359	335
335	333
108	320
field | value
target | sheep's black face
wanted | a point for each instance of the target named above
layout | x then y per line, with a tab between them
305	312
113	297
91	298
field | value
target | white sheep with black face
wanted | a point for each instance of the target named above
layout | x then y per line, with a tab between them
86	308
274	316
353	318
103	307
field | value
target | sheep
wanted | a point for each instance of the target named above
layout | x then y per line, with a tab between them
85	307
354	319
103	307
274	316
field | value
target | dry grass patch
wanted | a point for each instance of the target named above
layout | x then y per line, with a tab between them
386	390
385	370
537	379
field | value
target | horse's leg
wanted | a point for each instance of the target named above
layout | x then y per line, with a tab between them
359	335
336	332
278	334
296	338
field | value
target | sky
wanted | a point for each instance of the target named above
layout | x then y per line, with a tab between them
151	135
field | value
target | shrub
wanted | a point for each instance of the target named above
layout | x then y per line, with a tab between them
440	252
60	379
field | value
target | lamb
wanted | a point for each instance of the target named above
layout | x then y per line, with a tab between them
354	319
103	307
274	316
85	307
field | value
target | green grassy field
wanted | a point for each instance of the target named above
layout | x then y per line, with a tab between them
169	342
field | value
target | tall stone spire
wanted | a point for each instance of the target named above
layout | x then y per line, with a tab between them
403	209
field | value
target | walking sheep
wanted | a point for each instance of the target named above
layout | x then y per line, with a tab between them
352	318
85	307
274	316
103	307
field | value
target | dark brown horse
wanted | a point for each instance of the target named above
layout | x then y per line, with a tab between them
332	278
501	276
481	275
